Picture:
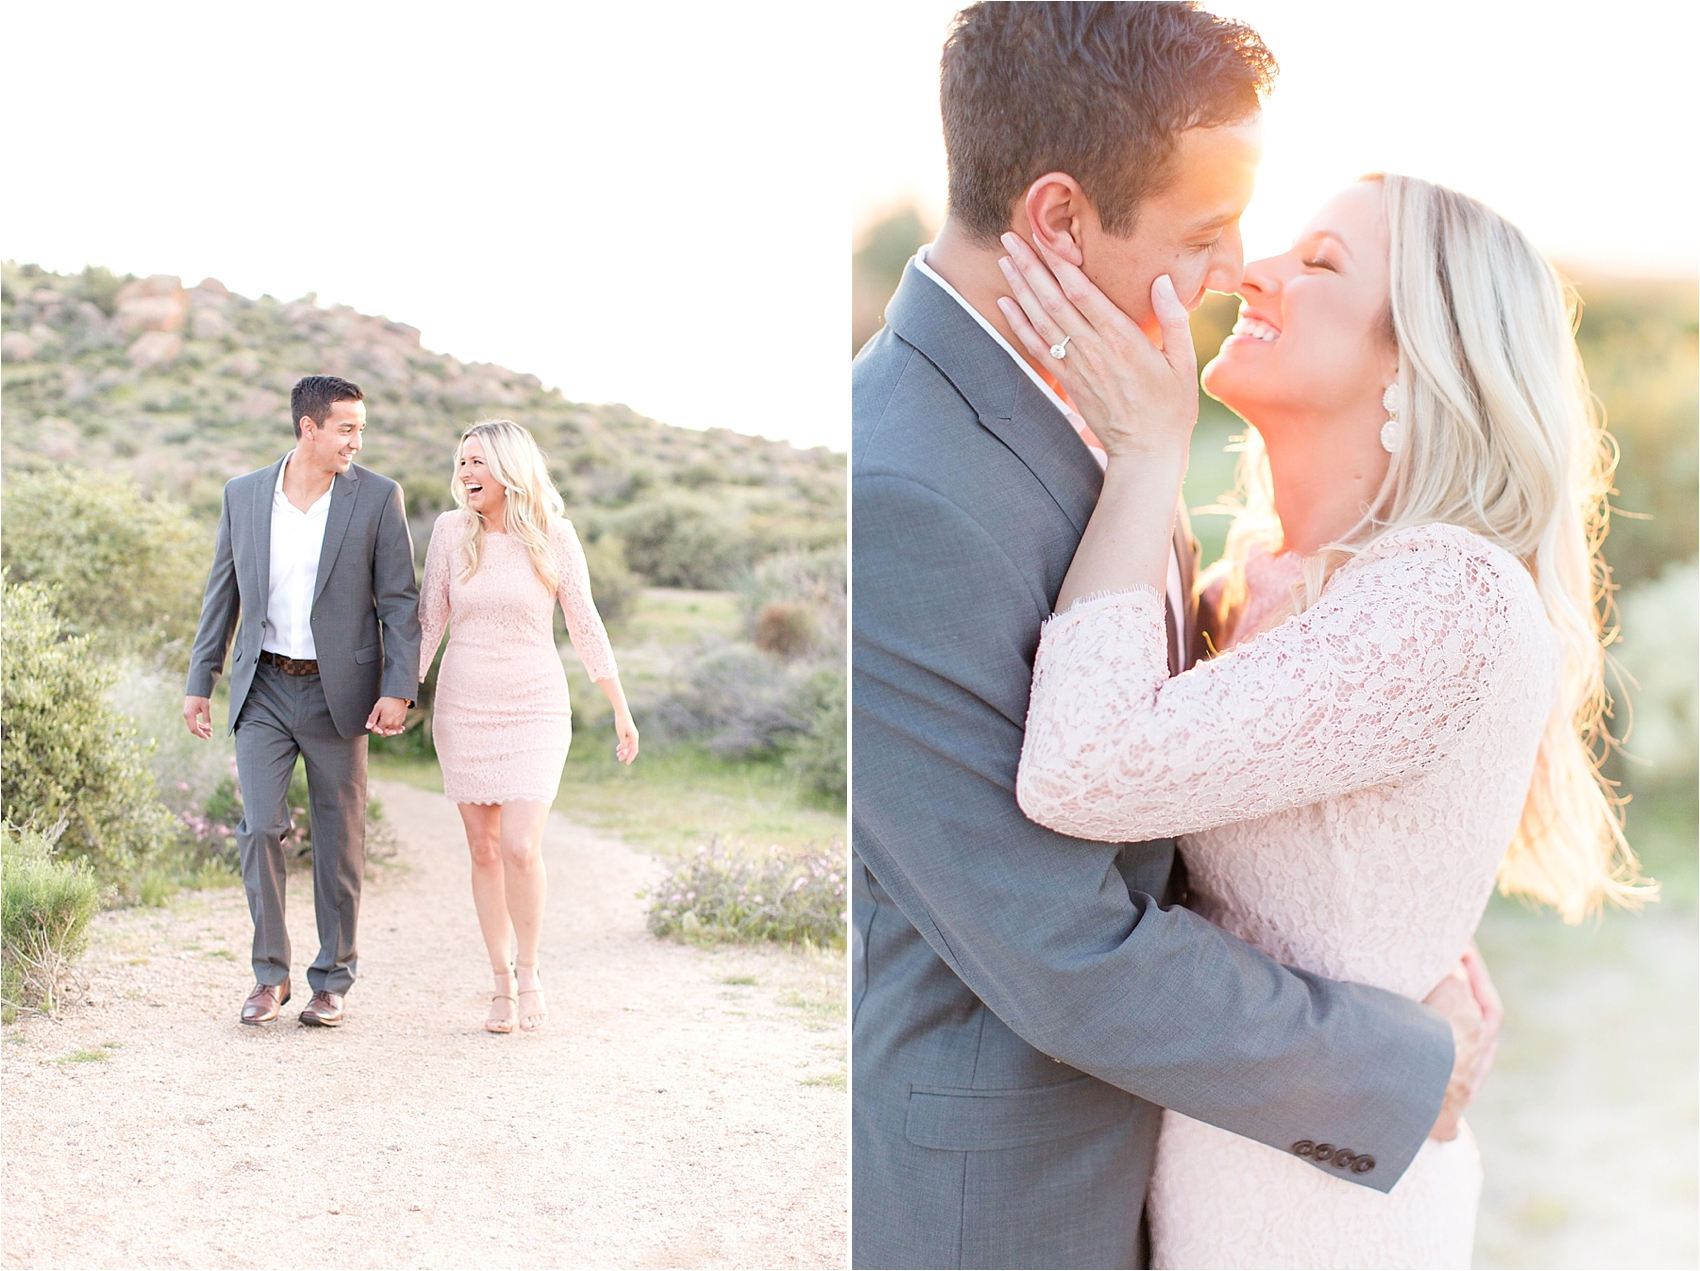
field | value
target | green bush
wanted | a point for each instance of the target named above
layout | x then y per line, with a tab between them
723	894
613	586
125	569
66	755
819	760
674	543
45	908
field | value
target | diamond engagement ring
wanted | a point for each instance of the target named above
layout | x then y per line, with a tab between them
1059	350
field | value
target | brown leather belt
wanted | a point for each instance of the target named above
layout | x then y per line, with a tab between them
290	666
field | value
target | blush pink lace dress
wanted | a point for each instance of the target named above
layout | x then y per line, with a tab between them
1345	784
501	719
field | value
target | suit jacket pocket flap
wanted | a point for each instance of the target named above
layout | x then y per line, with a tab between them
958	1120
371	653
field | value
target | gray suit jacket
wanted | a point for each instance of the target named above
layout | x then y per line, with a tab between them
1024	1003
365	599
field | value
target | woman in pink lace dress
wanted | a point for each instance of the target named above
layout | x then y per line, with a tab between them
1411	657
494	570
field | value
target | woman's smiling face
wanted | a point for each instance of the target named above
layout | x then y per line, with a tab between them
484	494
1312	337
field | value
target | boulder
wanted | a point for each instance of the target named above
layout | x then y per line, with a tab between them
211	289
261	404
155	348
245	364
57	438
208	324
152	304
15	346
158	285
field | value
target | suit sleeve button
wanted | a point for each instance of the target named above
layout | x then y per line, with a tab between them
1344	1158
1304	1147
1363	1165
1324	1153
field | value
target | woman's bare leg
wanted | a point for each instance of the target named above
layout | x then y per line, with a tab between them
489	897
527	887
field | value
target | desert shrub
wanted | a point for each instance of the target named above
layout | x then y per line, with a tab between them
723	893
742	703
45	908
100	287
194	779
1661	627
66	754
674	543
814	579
613	586
818	759
126	569
785	628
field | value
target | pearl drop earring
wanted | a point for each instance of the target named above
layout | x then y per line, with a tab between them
1391	432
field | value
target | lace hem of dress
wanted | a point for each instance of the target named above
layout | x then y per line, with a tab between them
503	798
1085	604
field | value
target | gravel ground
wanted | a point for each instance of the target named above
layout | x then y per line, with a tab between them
683	1107
1588	1125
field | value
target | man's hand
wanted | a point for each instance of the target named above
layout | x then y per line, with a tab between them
387	717
197	713
1467	998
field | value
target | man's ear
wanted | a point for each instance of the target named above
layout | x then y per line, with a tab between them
1055	205
305	423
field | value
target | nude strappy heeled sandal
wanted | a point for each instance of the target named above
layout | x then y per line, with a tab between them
495	1024
537	992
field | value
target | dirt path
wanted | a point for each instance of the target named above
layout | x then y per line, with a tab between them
673	1113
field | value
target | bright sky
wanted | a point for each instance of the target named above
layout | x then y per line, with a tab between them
637	203
1573	120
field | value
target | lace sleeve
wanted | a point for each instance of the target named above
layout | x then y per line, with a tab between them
584	624
1371	684
434	592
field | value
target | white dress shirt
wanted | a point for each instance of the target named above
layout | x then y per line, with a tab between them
1177	603
297	537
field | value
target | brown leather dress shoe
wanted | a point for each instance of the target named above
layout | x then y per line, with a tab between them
324	1011
264	1003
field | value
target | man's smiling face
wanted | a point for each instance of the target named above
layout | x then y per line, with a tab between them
334	443
1190	230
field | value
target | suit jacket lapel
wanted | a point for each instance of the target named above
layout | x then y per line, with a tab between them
1009	404
262	510
344	490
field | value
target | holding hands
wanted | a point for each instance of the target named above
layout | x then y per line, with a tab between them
388	717
1139	397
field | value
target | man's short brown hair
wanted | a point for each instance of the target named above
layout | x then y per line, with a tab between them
1099	91
314	395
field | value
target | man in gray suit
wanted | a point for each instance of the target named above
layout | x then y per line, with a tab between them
315	563
1024	1004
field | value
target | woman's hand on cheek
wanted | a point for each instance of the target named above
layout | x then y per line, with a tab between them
1138	398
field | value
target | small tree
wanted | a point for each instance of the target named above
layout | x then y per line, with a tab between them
66	755
125	569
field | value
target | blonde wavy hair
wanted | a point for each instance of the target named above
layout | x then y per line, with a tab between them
511	454
1500	437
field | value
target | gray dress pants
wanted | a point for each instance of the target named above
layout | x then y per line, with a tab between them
286	715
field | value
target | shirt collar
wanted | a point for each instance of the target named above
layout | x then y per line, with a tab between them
277	490
1051	394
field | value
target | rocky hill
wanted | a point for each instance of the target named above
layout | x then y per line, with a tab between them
185	387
